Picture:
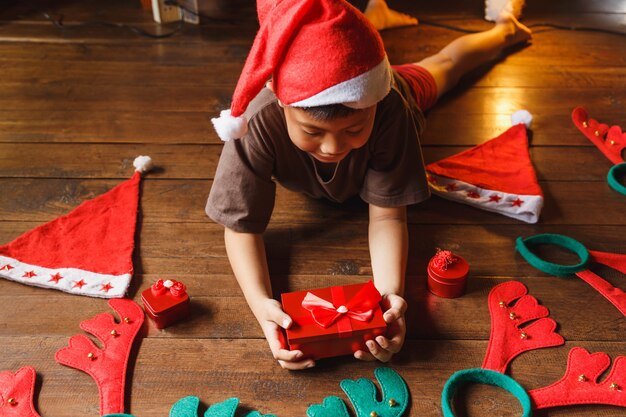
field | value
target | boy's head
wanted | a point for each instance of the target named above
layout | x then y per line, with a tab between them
317	53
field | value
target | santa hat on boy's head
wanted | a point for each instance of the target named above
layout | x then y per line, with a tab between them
495	176
87	251
317	52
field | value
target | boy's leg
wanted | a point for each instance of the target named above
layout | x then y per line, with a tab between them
470	51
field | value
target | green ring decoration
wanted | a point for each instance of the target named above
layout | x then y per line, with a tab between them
618	170
483	376
522	246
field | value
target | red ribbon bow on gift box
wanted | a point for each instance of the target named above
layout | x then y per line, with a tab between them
176	288
360	307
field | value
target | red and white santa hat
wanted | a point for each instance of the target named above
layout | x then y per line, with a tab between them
317	52
87	251
495	176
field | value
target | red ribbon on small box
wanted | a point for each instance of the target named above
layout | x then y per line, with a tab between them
176	288
361	307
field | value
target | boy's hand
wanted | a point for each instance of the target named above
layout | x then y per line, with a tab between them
273	319
383	348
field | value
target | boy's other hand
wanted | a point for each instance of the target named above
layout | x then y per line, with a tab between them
273	319
383	348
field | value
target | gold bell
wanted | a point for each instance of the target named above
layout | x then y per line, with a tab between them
126	320
582	378
512	316
114	333
523	335
612	142
614	387
392	402
597	133
585	124
502	304
373	414
12	402
91	356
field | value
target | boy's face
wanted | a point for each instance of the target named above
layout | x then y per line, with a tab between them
329	141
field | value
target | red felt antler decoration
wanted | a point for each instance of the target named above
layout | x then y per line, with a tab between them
507	338
580	383
107	366
610	140
16	393
616	261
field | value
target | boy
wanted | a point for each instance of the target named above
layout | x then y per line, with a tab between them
334	121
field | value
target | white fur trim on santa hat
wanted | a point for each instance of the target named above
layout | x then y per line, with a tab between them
521	207
229	127
522	116
360	92
493	8
143	164
71	280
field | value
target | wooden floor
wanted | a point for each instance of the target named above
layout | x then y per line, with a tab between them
77	105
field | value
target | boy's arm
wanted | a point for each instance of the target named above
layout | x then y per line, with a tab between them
388	242
246	253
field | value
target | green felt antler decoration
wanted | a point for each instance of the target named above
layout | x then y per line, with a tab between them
331	407
362	395
188	407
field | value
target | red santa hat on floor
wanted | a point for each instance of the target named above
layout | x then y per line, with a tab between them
317	52
495	176
86	252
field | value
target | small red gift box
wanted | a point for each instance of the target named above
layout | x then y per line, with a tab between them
333	321
447	274
166	302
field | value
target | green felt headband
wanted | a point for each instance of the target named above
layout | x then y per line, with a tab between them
523	247
618	170
483	376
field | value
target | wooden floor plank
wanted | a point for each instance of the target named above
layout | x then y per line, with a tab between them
103	160
342	249
183	74
551	127
220	311
497	100
174	201
547	49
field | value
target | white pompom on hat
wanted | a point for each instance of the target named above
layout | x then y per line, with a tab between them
317	52
85	252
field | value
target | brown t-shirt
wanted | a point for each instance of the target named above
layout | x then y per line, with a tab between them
388	171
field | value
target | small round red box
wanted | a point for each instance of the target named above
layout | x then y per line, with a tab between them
448	281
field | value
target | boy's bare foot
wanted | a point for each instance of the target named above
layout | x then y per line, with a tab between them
382	17
515	31
494	7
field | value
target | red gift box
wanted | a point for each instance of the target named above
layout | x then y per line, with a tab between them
166	302
333	321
